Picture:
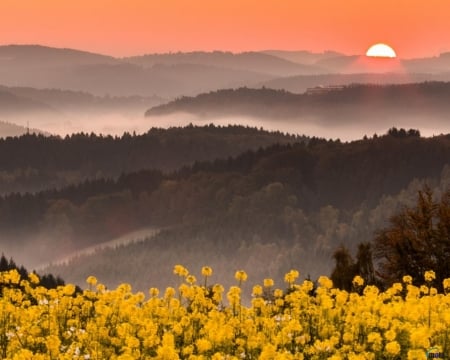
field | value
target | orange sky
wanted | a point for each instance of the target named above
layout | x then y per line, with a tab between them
124	27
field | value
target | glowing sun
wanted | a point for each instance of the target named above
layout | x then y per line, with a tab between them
381	51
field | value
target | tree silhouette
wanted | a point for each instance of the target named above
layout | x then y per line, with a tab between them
364	263
344	270
416	240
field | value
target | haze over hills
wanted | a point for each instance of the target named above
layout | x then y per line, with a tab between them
176	74
93	167
359	63
11	103
302	56
13	130
301	83
101	75
65	111
63	91
266	211
368	108
247	61
235	195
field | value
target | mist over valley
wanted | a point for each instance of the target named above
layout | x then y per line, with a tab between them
263	161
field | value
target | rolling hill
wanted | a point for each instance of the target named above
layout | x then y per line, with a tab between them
265	211
247	61
342	108
168	76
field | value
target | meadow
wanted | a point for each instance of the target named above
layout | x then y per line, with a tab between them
198	320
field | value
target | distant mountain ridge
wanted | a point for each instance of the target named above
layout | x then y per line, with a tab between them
19	55
12	130
332	106
66	99
249	61
302	56
177	74
301	83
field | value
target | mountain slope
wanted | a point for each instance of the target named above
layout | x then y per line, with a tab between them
346	108
36	56
301	83
44	67
302	57
266	211
33	162
299	195
248	61
12	130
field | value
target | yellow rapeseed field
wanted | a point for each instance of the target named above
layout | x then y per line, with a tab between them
202	321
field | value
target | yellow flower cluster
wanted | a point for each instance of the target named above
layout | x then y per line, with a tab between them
196	322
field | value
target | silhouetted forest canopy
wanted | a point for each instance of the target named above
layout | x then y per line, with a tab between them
415	240
297	200
49	281
35	162
341	103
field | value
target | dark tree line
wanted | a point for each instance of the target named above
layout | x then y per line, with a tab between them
278	192
341	103
416	240
35	162
49	281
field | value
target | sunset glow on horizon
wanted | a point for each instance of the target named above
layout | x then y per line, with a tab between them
130	27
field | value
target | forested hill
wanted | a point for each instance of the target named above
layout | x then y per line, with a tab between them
33	162
281	193
8	129
338	104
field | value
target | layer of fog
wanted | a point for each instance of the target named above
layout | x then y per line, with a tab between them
117	123
127	239
345	131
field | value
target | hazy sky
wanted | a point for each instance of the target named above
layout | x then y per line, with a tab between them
125	27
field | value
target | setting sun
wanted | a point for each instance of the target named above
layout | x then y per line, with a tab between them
381	51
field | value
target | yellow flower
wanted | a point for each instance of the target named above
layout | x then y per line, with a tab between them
446	284
203	345
34	279
417	355
269	283
278	293
206	271
191	279
257	290
180	270
291	276
358	281
91	280
269	352
154	292
240	275
429	276
407	279
393	348
390	335
325	282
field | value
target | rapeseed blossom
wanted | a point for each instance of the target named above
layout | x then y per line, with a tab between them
304	321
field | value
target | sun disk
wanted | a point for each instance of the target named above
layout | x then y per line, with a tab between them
381	51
